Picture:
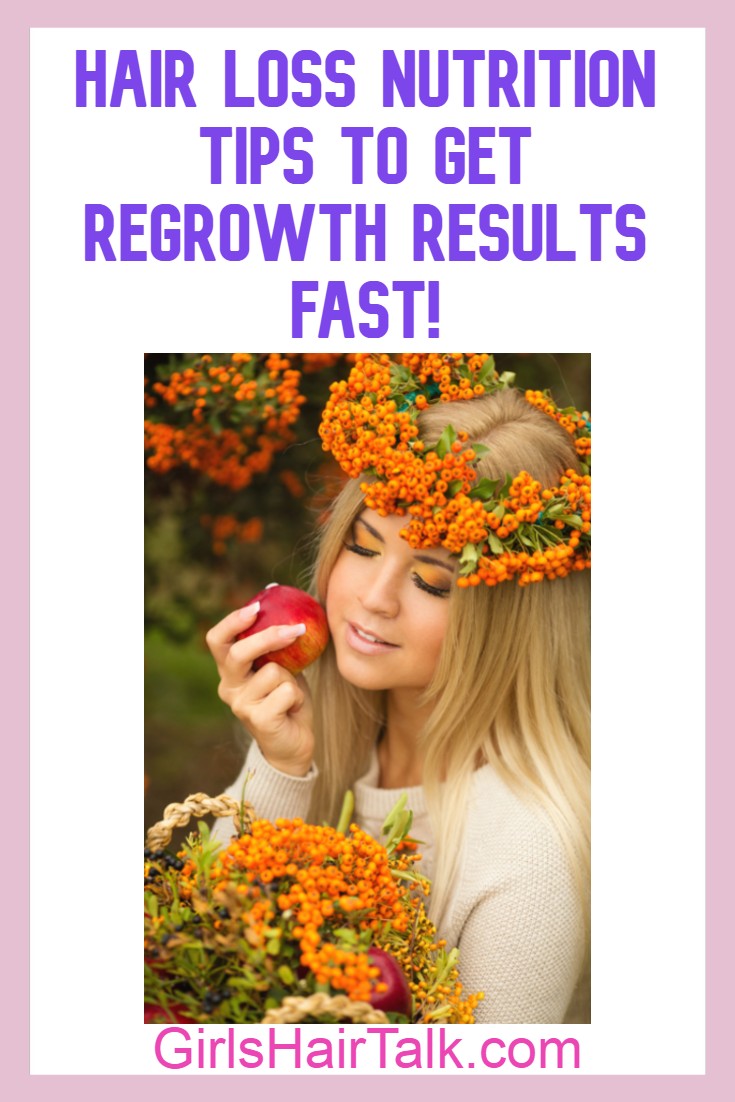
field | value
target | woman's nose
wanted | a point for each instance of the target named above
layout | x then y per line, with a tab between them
379	594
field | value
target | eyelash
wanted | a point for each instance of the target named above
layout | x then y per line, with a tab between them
418	580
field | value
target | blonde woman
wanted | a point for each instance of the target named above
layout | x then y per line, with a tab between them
473	699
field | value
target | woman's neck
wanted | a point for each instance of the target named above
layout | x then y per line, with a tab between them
399	756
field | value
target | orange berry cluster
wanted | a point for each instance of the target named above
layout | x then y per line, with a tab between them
499	532
226	456
319	880
314	362
522	508
293	483
218	407
433	979
576	424
227	527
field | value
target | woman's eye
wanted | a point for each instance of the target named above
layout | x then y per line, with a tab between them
434	590
419	582
358	549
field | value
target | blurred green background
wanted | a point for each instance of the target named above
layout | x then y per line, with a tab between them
198	568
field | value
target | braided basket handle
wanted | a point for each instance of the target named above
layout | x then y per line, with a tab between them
295	1008
198	805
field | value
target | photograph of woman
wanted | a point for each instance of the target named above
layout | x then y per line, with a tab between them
453	568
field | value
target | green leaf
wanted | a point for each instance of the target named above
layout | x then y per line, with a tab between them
394	812
496	545
397	823
347	935
406	874
482	490
285	975
445	441
401	377
486	374
470	555
345	815
399	830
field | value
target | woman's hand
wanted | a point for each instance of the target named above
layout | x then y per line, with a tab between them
274	705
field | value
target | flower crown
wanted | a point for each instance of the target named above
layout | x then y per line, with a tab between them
502	529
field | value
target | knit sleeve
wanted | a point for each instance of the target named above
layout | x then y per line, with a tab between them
522	942
272	794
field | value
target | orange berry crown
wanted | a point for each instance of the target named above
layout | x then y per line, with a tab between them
499	529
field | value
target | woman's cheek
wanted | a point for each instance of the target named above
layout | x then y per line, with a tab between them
432	628
334	602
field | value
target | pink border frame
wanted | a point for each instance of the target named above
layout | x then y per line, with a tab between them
719	23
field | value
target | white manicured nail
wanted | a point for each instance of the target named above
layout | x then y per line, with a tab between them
292	631
249	611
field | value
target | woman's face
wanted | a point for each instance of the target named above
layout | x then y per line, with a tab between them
388	606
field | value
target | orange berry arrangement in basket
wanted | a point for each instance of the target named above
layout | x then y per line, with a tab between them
294	909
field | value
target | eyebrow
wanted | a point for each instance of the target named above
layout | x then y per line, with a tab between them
420	558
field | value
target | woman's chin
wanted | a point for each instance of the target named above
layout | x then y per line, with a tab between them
363	680
356	671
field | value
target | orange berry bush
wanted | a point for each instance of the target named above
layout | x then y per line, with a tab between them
233	416
234	475
288	908
225	423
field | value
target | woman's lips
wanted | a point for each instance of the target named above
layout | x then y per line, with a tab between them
356	638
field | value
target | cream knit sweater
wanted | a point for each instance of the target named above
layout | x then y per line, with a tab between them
515	917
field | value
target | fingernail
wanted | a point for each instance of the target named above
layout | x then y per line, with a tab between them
291	631
250	610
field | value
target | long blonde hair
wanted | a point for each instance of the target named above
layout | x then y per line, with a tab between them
520	701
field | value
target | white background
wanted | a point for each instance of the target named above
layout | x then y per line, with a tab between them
642	322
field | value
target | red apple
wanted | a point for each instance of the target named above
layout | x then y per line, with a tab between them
282	604
397	997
